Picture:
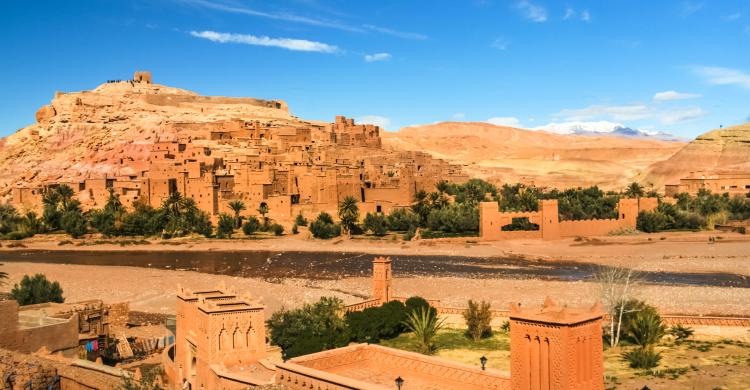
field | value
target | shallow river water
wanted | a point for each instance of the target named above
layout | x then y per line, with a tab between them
336	265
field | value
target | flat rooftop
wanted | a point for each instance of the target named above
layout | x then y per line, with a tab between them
376	367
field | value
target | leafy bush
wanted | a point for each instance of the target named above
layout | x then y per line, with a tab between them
15	236
681	333
144	220
409	235
402	220
642	357
295	229
323	227
505	327
103	221
251	225
73	223
277	229
376	323
37	289
376	223
454	218
478	317
309	329
226	225
300	220
415	303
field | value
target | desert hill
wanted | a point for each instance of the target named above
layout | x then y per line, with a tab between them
506	154
720	150
110	130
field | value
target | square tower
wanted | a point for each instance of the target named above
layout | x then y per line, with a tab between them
216	328
556	347
381	279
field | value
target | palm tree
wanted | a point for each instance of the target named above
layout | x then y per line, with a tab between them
237	206
634	190
263	210
424	323
66	194
349	213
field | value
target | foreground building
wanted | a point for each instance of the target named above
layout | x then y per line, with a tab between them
221	344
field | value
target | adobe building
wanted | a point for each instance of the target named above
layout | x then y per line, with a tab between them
492	221
733	183
220	342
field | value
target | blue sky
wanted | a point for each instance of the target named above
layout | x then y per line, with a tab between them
677	66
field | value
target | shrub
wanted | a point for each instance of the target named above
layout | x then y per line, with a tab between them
681	333
415	303
143	221
295	229
277	229
646	328
424	323
37	289
300	220
454	218
376	223
226	225
478	317
311	328
651	222
402	220
250	226
505	327
103	221
376	323
15	236
73	223
642	357
323	227
409	235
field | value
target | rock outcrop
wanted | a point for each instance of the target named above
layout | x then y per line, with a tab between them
718	151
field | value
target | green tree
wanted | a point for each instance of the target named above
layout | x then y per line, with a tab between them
376	223
312	328
237	207
323	227
402	220
376	323
478	317
226	225
651	221
300	220
424	323
144	220
263	211
349	213
9	218
646	328
37	289
74	223
634	190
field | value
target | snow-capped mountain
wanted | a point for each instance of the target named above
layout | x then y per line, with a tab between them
602	128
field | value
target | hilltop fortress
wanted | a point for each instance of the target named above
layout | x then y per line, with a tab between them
145	141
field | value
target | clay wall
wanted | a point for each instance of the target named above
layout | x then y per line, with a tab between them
27	198
61	336
9	324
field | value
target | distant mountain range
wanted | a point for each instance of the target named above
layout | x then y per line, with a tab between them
604	128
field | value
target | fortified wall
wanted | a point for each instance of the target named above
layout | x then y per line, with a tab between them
492	220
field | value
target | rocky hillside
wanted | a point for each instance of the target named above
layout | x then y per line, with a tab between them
110	130
506	154
721	150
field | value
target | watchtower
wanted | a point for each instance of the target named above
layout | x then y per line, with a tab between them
381	279
555	347
142	77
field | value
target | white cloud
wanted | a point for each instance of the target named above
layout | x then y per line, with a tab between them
618	113
395	33
569	13
285	43
377	57
682	115
674	95
733	16
631	112
723	76
689	8
586	16
505	121
532	11
294	18
500	43
377	120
